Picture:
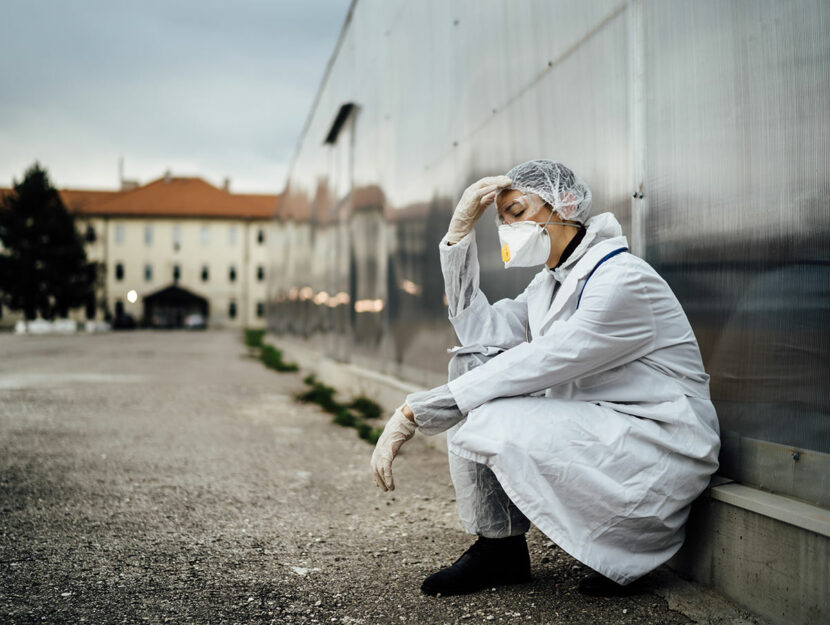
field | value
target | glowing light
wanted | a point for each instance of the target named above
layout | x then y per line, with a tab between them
368	305
410	287
336	300
323	298
132	296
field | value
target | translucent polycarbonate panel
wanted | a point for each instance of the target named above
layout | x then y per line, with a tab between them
703	126
442	94
739	223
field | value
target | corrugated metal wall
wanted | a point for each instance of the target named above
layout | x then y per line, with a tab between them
716	112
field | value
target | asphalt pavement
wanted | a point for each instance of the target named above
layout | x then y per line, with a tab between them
167	476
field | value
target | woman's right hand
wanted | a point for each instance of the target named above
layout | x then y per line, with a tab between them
474	201
398	430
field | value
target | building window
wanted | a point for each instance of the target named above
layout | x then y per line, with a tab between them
232	310
232	235
90	234
205	235
177	238
119	271
90	307
148	235
232	274
119	308
148	272
260	273
176	273
119	233
205	273
260	236
260	309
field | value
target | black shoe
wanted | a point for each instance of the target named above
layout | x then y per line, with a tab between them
489	562
597	585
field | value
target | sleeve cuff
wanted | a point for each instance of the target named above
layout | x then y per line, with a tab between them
462	244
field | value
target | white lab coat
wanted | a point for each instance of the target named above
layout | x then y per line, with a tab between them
621	436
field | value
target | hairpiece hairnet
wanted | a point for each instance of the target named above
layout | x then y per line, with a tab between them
562	189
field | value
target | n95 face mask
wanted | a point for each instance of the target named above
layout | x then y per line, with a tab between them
524	244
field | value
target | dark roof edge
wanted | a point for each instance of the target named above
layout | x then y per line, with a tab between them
323	82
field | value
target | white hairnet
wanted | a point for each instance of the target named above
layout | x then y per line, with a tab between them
562	189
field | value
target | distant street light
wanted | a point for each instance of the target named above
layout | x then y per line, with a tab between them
132	296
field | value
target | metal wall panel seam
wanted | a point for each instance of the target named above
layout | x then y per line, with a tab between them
637	124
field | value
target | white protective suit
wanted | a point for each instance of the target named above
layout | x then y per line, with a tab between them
620	436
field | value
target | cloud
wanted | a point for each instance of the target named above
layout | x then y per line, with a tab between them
221	87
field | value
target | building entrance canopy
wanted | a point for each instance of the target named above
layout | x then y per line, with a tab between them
170	306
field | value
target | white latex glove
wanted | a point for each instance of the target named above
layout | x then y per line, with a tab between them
398	430
474	201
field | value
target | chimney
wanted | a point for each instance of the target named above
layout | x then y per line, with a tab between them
126	185
168	176
226	185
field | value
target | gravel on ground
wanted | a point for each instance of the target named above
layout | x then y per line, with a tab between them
167	476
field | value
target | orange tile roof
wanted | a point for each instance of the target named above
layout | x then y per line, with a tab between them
77	200
4	191
169	197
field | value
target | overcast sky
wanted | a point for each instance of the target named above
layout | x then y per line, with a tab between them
200	87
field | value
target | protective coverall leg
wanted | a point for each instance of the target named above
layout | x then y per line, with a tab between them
483	506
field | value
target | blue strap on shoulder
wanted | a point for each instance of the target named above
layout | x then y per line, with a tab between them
604	258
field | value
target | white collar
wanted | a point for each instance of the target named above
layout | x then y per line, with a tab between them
598	228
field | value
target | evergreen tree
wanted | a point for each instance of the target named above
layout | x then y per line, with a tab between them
43	264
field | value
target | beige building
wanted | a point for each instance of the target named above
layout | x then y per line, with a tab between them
174	247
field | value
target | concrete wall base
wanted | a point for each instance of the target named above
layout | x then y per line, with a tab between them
776	568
